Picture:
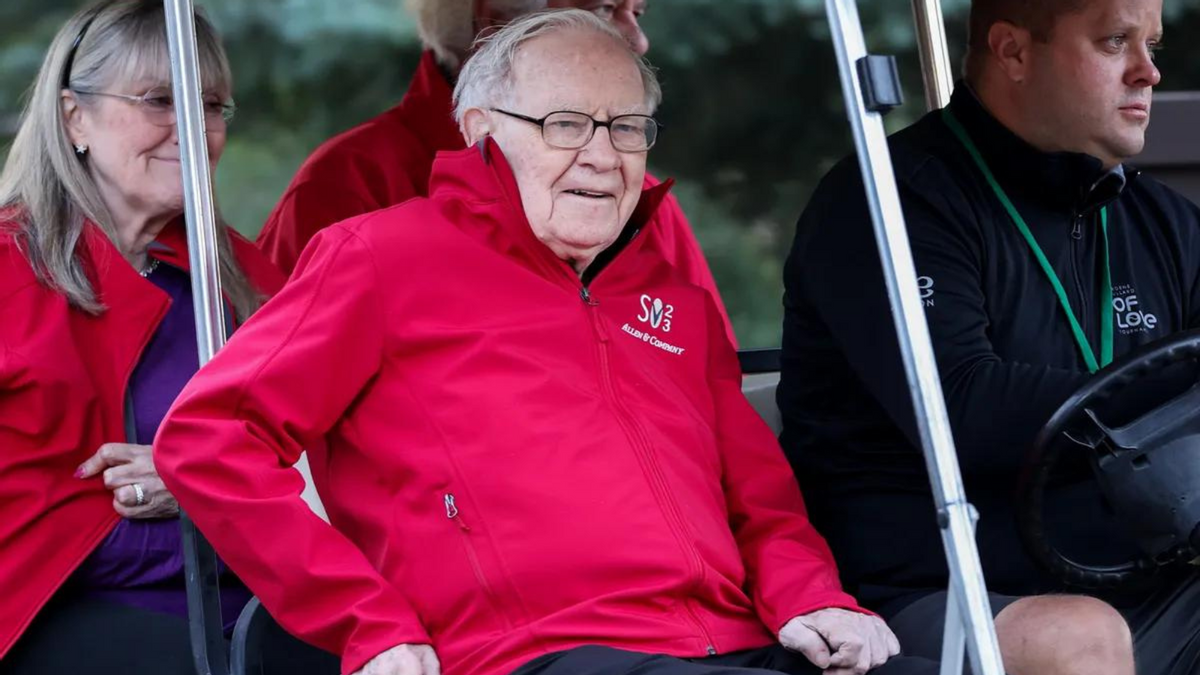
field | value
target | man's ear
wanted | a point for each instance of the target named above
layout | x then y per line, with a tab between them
476	125
1010	46
72	114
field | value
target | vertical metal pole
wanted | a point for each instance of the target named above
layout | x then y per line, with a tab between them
936	70
955	515
200	561
954	639
197	186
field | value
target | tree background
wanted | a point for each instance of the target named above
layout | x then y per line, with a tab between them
753	107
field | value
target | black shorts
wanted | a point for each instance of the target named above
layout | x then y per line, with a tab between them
1165	624
920	624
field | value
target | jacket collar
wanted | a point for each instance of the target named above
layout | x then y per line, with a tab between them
115	280
118	284
480	180
1067	181
429	106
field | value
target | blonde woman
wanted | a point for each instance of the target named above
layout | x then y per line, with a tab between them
97	339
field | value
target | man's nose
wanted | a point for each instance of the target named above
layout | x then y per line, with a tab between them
1142	71
599	153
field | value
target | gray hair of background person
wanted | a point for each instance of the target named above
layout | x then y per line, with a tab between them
448	27
486	80
48	187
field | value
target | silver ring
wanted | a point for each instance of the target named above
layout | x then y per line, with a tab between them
139	495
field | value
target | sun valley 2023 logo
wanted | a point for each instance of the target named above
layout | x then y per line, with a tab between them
655	313
658	314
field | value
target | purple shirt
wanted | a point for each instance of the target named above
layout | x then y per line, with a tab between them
140	563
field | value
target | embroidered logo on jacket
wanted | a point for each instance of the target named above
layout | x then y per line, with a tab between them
655	313
650	339
658	315
925	285
1130	316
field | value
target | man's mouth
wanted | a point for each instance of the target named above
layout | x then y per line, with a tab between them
590	194
1138	112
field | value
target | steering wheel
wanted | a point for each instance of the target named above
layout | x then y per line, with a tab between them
1148	470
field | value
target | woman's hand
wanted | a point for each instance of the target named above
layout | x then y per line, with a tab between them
129	472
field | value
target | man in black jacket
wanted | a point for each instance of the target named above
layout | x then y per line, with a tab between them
1028	156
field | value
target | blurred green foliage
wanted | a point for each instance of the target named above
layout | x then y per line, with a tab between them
752	108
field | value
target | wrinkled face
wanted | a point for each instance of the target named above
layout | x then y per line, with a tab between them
134	161
577	201
1091	84
624	15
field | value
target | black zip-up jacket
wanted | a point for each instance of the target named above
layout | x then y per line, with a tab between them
1005	350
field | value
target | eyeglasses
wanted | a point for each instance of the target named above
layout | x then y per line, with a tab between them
158	105
572	130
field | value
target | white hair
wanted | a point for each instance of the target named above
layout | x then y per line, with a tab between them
487	78
448	26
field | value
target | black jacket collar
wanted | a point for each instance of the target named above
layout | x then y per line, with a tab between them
1066	181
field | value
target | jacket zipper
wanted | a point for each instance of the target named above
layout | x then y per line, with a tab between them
453	514
1077	246
643	448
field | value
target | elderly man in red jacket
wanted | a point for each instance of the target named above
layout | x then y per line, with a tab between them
526	424
387	160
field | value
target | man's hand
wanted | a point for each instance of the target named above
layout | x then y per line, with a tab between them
403	660
839	641
129	472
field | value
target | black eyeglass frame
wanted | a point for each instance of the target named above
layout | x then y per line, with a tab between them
541	123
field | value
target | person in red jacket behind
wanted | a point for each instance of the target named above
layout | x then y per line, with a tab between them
387	160
527	425
97	337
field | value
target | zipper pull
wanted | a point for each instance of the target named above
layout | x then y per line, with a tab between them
452	512
597	322
587	298
1077	228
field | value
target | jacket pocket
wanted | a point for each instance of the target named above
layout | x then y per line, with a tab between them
469	538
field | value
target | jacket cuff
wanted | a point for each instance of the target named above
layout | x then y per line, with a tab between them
371	643
812	604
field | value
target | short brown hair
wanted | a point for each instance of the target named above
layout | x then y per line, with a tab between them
1037	16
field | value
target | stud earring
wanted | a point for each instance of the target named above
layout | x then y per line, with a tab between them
81	149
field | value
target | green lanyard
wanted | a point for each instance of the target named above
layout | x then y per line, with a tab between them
1106	307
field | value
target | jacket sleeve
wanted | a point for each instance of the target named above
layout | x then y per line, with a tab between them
996	407
329	188
227	446
790	570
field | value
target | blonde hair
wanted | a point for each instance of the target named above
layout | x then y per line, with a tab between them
486	80
48	189
448	27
